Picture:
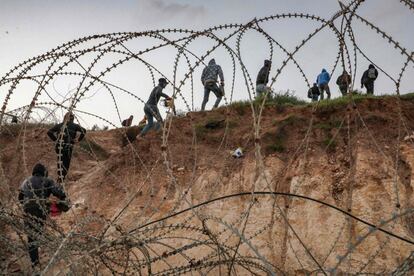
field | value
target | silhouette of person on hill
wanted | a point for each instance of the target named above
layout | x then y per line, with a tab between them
263	78
64	134
209	79
127	122
323	80
368	79
313	92
343	82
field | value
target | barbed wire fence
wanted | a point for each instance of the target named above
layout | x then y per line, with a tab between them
181	232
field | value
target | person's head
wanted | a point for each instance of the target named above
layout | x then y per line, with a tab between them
212	62
371	66
314	84
131	117
162	82
323	70
39	170
267	63
69	117
344	72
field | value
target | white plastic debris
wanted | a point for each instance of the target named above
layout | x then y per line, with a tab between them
237	153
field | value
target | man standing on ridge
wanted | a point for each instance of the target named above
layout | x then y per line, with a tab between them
209	80
322	80
343	82
151	109
368	79
33	195
263	78
64	134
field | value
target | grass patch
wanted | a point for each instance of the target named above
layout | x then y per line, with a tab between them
328	125
93	148
277	146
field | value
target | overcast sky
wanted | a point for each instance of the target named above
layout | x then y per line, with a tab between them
29	28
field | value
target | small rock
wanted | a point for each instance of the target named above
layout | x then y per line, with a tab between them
180	169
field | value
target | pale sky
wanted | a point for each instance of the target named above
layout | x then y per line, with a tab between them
30	28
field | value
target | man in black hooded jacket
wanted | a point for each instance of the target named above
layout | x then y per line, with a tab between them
263	78
33	195
368	79
64	134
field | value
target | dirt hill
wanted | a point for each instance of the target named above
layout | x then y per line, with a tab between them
357	157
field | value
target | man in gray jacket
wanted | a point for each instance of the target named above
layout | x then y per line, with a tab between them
209	80
33	195
151	108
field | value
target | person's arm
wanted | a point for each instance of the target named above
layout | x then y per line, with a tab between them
51	132
56	189
376	74
328	76
221	75
203	75
20	196
82	133
165	96
364	76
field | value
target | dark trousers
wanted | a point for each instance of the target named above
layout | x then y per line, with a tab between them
63	160
211	86
343	89
34	227
369	85
151	111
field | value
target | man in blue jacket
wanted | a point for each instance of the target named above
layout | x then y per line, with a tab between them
322	80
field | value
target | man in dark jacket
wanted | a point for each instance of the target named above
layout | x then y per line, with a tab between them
151	108
313	93
209	79
263	78
368	79
343	82
33	195
64	134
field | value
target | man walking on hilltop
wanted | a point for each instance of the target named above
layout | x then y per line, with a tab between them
343	82
209	80
64	134
263	78
368	79
322	80
33	195
151	108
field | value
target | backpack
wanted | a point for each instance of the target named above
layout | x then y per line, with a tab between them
371	73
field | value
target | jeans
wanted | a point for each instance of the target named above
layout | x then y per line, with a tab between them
369	85
151	111
343	89
34	227
66	156
211	86
324	87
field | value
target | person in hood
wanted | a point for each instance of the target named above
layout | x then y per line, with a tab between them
263	78
151	108
323	80
65	136
313	92
127	122
368	79
33	195
343	82
209	80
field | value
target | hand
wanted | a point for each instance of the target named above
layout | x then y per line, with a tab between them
222	83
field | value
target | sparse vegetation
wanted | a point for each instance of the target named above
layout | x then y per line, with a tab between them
93	148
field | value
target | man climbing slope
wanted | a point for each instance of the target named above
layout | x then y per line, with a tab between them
209	80
323	83
64	134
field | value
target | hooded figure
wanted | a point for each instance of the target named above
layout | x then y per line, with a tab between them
127	122
368	79
151	108
313	93
322	80
64	134
343	82
263	78
33	195
209	79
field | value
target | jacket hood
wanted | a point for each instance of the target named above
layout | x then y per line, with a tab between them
212	62
371	66
324	70
267	63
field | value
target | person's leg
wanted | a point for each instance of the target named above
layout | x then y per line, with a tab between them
206	95
34	228
150	119
370	88
343	90
158	117
320	87
328	91
260	90
66	157
217	91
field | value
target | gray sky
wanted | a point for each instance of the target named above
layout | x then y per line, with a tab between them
29	28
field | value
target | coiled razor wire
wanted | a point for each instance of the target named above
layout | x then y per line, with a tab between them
180	232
